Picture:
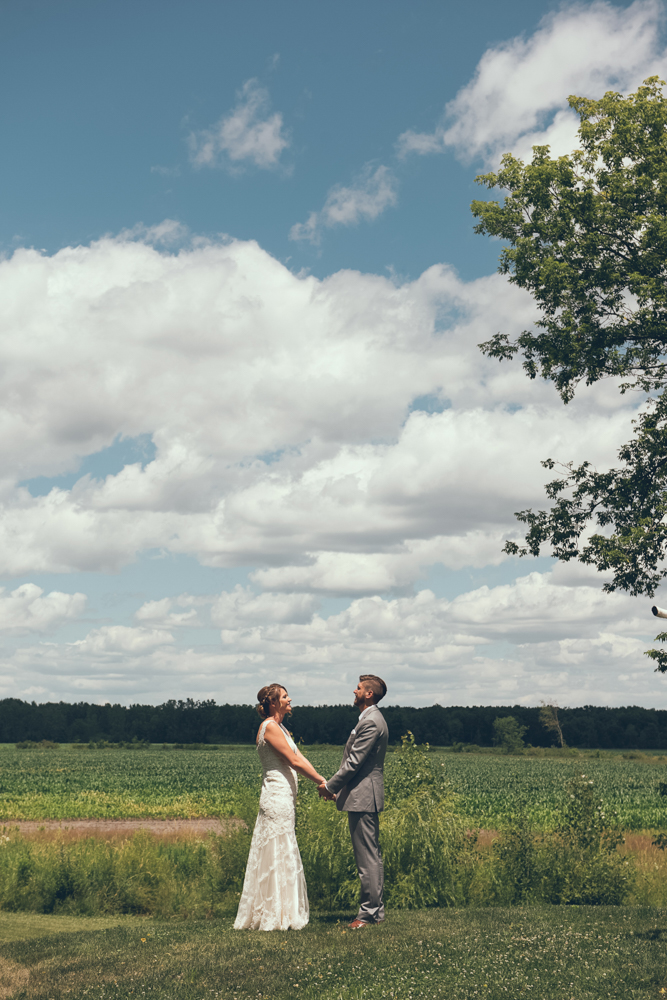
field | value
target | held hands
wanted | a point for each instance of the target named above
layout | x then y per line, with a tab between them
324	792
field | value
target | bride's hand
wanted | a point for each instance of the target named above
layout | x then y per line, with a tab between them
324	792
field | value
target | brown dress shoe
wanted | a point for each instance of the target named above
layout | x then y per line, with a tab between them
357	924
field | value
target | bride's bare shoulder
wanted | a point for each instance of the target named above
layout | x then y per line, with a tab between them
261	732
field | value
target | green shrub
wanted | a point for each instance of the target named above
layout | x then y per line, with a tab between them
510	874
585	867
134	744
326	853
586	878
32	745
577	863
408	770
428	857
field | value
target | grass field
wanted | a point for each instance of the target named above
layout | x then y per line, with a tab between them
548	954
494	790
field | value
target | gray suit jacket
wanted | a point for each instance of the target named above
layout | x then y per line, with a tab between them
359	784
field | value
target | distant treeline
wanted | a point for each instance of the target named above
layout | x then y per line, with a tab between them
206	722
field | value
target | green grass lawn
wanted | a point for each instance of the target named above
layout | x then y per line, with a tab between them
553	953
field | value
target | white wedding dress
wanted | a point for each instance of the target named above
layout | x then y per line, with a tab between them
274	896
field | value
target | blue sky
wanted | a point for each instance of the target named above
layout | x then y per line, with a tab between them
99	96
245	430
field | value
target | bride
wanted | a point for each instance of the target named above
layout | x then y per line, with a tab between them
274	893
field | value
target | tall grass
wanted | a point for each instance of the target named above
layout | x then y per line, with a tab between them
142	875
431	859
428	856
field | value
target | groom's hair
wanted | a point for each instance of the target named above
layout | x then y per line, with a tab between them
376	685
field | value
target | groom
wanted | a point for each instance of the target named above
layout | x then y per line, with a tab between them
359	790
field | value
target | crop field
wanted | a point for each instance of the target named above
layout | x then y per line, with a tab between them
68	783
496	790
117	784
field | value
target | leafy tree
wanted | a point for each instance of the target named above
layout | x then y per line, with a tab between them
586	235
549	719
508	734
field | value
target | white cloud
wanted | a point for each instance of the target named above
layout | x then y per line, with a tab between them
365	200
247	133
160	613
27	610
535	605
166	171
280	407
354	573
120	639
566	642
285	413
243	607
541	637
518	96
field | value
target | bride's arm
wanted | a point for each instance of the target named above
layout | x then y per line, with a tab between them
275	737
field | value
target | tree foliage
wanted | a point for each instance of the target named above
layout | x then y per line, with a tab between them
586	235
629	503
189	724
508	734
588	240
549	719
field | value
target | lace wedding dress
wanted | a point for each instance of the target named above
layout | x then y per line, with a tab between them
274	896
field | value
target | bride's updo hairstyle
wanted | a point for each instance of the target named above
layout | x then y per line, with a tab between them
267	696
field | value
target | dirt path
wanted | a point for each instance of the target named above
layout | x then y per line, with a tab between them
104	828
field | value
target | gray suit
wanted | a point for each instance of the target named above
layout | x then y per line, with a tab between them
359	789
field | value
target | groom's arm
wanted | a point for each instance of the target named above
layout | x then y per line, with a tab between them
361	748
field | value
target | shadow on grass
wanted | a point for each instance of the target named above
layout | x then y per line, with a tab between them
655	934
330	917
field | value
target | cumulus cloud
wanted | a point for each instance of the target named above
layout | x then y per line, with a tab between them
518	95
27	609
249	133
372	192
120	639
336	436
243	607
285	414
544	636
161	613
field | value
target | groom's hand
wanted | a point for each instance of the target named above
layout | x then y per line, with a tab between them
324	792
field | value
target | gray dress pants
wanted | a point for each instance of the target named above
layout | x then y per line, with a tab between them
364	831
